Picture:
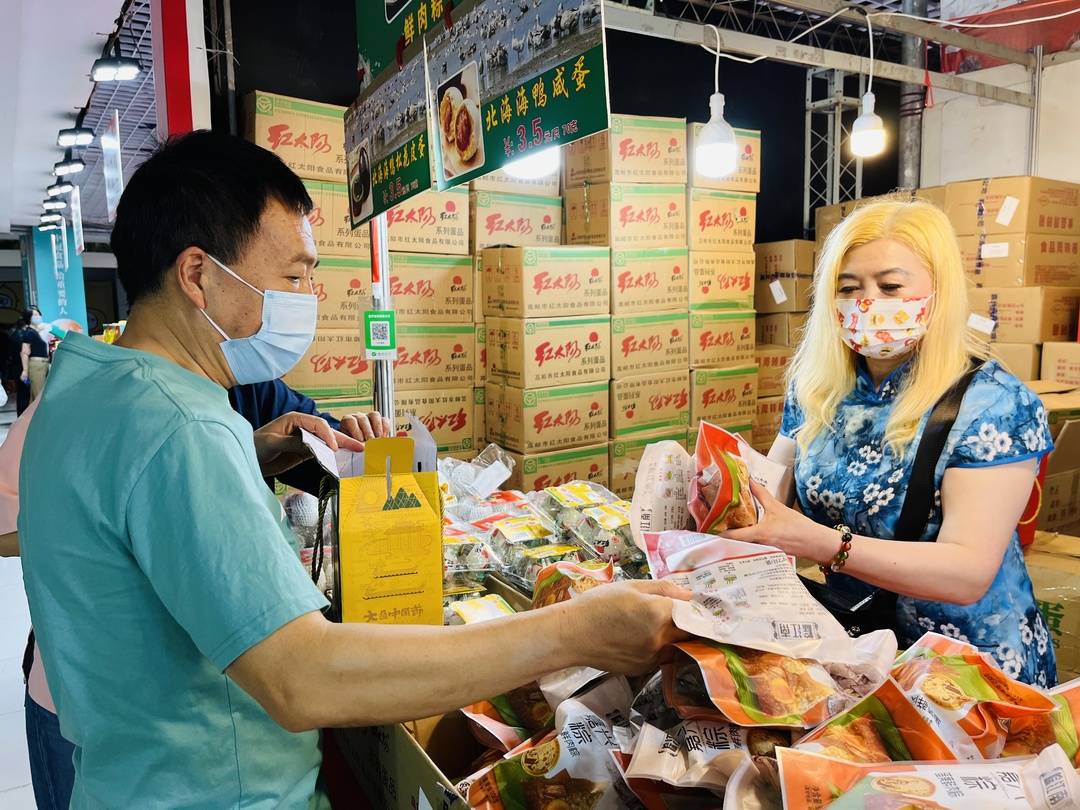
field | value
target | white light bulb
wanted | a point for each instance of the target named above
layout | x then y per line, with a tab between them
104	71
54	204
715	150
126	72
542	163
868	131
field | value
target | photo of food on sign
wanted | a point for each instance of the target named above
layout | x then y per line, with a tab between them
460	128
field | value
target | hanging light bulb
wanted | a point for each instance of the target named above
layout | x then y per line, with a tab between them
542	163
59	187
53	204
715	150
45	219
77	135
868	131
69	165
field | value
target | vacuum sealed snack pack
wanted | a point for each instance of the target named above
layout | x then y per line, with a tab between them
507	721
964	696
812	781
720	497
563	580
480	609
882	727
1031	735
571	769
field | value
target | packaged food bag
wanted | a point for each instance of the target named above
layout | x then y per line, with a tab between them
812	781
711	681
563	504
507	721
964	696
1031	735
571	769
661	491
655	795
699	753
882	727
606	530
480	609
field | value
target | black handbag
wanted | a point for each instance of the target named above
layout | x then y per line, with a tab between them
877	611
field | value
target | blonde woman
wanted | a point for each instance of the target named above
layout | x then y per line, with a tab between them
886	338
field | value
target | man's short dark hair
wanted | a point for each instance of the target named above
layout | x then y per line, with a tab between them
203	189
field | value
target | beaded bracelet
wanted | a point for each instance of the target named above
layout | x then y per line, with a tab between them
841	557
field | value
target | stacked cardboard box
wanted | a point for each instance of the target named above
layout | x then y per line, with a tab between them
1020	244
1054	564
828	217
310	139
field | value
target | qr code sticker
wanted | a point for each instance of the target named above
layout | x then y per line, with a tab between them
380	333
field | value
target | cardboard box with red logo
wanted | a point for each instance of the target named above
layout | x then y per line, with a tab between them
536	471
828	217
1061	363
518	220
635	149
723	395
721	338
309	137
723	221
330	225
343	287
534	420
448	414
346	406
767	418
1028	314
429	288
546	281
627	216
1020	359
649	280
772	362
721	280
626	456
998	205
649	403
747	174
785	276
431	356
431	222
784	329
539	352
334	366
649	344
500	181
1021	260
479	418
478	287
480	375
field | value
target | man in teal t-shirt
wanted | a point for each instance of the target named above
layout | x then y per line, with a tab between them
187	653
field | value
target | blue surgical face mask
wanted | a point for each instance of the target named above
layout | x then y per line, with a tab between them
288	327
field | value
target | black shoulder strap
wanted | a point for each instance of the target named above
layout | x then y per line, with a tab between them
918	500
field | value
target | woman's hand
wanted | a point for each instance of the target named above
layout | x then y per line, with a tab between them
787	530
364	426
278	445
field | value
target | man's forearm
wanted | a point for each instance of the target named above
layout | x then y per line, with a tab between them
9	544
366	674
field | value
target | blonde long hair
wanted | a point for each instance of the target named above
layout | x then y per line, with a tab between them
822	372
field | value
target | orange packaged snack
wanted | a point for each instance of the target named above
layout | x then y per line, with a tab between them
1032	735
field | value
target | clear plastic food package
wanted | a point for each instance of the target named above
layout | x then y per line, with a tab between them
525	564
564	504
512	536
606	530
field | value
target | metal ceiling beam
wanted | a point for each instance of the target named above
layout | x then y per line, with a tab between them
621	18
903	25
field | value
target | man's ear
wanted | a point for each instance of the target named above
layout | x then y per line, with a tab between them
189	270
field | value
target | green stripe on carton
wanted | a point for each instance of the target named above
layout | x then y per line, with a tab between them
297	105
572	455
364	388
646	122
723	195
479	396
574	322
326	405
749	133
651	188
325	185
421	259
571	391
642	441
713	306
663	317
436	329
652	253
680	421
342	263
733	315
715	373
566	252
522	199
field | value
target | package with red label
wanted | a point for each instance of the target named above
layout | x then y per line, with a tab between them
964	696
882	727
812	781
720	496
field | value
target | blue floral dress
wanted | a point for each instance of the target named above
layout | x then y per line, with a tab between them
848	475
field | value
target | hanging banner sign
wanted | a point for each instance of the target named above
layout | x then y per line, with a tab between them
111	164
76	221
453	91
511	78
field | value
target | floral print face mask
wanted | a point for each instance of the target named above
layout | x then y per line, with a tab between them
883	327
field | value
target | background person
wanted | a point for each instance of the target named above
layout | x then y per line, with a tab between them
33	361
886	337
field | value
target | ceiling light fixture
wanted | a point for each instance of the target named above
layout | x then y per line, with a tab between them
50	227
715	150
59	187
868	131
53	204
542	163
113	67
68	165
47	218
77	135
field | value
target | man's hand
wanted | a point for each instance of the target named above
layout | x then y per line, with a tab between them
364	426
625	627
24	378
279	447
